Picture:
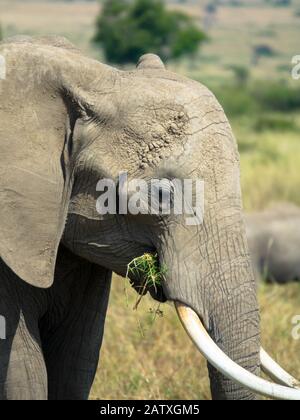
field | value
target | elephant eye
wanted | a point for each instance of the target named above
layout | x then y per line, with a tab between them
162	196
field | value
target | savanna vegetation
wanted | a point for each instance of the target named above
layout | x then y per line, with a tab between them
128	29
247	63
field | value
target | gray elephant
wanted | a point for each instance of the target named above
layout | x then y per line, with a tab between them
274	241
67	122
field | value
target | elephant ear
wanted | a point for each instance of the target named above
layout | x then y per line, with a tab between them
33	186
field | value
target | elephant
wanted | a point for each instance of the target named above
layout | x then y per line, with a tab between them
274	242
67	123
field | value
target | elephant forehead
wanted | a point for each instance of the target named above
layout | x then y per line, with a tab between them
164	129
156	107
153	90
155	133
160	121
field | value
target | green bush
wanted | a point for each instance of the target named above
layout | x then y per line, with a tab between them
235	101
282	3
241	74
258	97
274	122
277	96
127	29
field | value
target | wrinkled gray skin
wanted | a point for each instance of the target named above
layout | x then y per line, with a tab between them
274	241
66	122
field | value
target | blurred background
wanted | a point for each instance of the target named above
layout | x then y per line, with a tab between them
242	50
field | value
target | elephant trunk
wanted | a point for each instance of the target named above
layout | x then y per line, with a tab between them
234	327
212	274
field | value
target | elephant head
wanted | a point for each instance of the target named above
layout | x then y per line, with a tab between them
73	122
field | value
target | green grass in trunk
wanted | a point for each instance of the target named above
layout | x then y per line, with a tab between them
148	269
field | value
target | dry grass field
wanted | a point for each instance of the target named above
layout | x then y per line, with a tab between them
150	357
147	358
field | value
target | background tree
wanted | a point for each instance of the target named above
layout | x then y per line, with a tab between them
241	74
262	50
126	29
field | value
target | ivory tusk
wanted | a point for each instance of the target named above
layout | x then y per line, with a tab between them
276	372
217	358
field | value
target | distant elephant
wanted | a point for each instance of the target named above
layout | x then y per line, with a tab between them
274	241
68	122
